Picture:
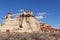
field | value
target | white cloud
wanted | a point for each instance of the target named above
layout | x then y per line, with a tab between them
21	10
44	13
41	15
16	15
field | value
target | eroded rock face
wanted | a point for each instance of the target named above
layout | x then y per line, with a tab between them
29	23
8	23
23	23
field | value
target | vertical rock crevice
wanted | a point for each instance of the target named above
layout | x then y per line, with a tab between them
25	22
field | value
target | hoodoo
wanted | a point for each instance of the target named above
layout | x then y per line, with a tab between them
24	23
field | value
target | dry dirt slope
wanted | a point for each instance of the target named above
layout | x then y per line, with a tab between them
29	36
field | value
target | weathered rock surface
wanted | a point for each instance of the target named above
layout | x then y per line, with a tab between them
24	22
26	27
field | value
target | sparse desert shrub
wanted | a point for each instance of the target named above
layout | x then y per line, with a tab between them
29	36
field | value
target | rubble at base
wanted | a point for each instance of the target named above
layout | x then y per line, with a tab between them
29	36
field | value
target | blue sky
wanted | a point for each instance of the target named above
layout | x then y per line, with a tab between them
51	7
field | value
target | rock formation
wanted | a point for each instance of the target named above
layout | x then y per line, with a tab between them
24	23
26	27
48	28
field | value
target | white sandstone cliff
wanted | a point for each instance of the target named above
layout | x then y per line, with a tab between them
25	23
